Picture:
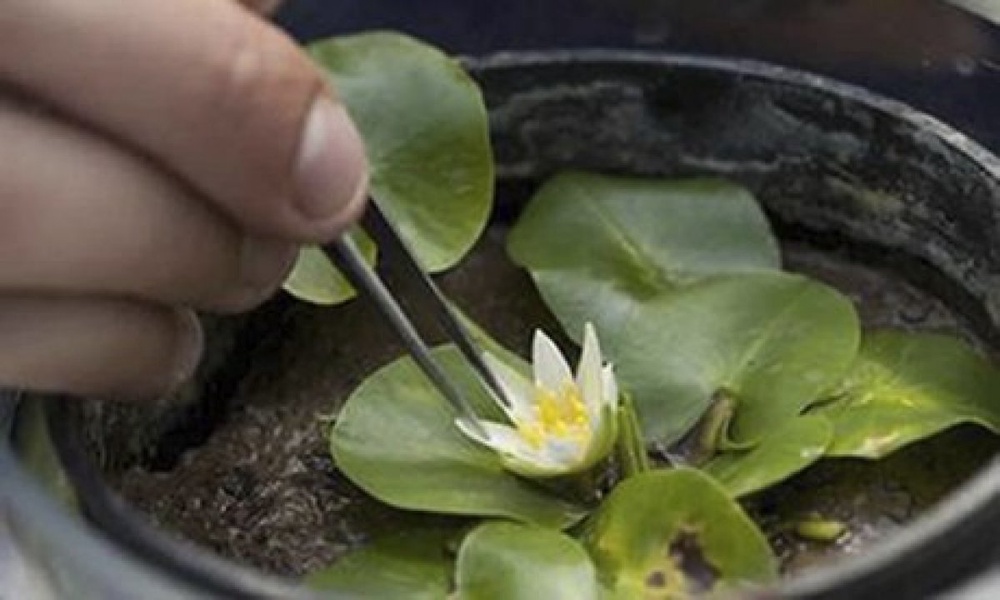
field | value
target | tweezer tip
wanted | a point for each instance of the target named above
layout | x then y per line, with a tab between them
471	424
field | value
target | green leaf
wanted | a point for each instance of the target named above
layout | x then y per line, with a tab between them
513	561
411	564
908	386
597	245
789	449
675	534
425	126
315	279
395	437
679	279
772	342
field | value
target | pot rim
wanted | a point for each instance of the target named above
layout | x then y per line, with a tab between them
961	516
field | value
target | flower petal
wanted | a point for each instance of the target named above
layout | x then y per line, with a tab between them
551	370
533	467
604	438
563	452
514	452
610	385
520	391
589	374
502	439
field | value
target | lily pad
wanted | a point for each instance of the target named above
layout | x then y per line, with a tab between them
908	386
514	561
424	123
411	564
425	128
597	245
680	280
675	534
395	437
772	342
789	449
314	278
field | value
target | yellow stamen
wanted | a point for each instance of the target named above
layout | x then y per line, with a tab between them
561	415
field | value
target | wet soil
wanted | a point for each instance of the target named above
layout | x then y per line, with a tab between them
261	488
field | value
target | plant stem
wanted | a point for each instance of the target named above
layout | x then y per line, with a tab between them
631	446
716	426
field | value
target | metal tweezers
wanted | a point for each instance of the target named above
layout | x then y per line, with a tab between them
345	254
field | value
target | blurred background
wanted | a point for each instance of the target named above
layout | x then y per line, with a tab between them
940	56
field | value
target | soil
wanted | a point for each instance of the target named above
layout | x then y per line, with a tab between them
261	488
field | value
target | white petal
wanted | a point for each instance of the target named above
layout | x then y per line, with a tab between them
532	468
551	370
501	438
590	343
564	452
520	391
509	443
589	375
515	453
610	386
604	438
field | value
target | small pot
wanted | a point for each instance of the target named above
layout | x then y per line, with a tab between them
832	164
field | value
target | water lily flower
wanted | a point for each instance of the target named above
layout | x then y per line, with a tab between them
559	425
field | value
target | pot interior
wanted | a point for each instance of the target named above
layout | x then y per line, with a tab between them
884	203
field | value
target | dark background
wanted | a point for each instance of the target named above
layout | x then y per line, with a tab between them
925	52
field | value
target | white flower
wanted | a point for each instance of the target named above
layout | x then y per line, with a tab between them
558	425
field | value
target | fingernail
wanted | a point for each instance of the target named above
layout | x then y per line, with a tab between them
263	261
332	170
188	346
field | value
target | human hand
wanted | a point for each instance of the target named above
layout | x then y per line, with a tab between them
155	158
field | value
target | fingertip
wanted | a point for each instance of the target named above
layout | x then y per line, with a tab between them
265	261
189	344
331	170
265	264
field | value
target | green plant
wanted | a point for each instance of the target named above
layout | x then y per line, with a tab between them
758	372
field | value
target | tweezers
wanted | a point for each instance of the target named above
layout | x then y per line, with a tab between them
393	251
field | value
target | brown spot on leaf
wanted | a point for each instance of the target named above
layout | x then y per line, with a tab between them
685	552
656	579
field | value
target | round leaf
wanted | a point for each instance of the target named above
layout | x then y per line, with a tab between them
395	438
908	386
675	534
411	564
315	279
773	342
789	449
597	245
645	266
425	127
512	561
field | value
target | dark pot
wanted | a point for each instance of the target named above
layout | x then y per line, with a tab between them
836	167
